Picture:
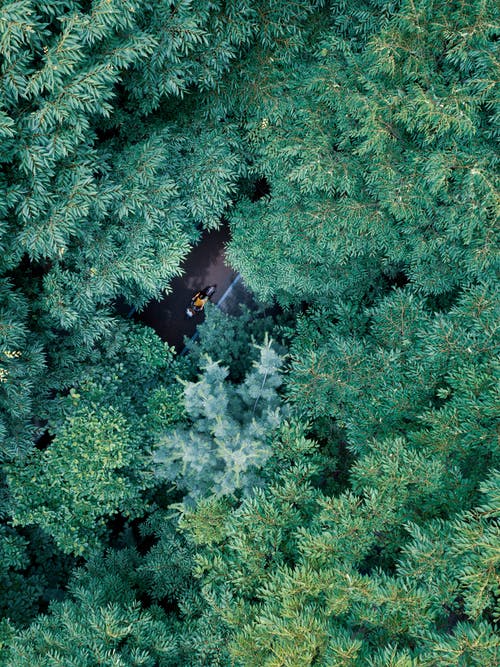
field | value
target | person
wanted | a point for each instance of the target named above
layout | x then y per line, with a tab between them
200	299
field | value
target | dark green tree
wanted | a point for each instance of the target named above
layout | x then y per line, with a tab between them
380	149
128	609
97	465
429	377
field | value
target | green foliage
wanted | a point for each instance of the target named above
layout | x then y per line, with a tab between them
196	42
287	571
166	575
462	556
19	593
379	147
96	625
124	130
429	377
21	368
97	464
135	372
96	202
100	199
128	609
86	474
228	338
227	439
33	571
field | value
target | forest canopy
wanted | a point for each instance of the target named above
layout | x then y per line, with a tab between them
317	481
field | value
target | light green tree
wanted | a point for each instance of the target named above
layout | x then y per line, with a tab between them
97	464
225	442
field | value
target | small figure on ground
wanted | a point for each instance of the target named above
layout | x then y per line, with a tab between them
199	300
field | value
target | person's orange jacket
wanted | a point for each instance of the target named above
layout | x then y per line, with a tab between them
199	302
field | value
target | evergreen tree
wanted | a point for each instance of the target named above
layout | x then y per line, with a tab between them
225	442
98	462
230	338
21	368
102	622
293	572
128	609
380	151
33	572
430	377
19	594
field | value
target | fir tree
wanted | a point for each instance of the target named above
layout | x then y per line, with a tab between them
226	442
429	377
229	338
21	368
127	608
102	622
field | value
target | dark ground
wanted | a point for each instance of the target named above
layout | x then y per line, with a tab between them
203	266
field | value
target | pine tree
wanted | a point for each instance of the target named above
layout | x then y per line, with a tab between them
102	622
19	593
428	377
228	338
21	368
33	571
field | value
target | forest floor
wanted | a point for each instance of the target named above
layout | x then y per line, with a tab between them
205	265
